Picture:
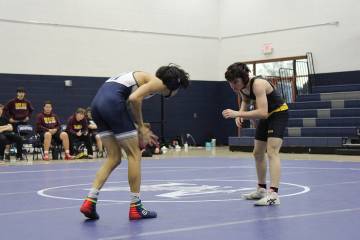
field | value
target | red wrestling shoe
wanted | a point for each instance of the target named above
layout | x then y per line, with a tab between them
88	208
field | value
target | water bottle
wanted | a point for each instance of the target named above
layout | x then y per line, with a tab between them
207	145
186	146
213	142
85	151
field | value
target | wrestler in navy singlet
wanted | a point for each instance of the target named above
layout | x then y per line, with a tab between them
109	107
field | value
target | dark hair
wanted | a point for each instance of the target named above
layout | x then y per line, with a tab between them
237	70
173	77
81	110
20	89
47	102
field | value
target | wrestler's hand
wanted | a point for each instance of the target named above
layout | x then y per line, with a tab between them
228	113
239	121
147	137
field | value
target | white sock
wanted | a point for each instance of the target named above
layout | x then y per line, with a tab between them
135	197
94	193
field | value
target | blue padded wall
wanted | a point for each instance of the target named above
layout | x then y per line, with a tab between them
196	110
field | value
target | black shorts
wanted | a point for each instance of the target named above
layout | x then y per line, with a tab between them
274	126
55	137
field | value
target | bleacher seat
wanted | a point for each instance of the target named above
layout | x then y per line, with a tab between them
336	88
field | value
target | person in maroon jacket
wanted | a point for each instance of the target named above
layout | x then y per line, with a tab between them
8	136
77	128
19	109
94	136
48	126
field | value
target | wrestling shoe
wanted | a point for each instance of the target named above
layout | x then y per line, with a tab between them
137	212
88	208
271	198
256	195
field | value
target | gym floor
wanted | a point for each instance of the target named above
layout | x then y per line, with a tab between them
197	195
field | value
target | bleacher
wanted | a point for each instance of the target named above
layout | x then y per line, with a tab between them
325	121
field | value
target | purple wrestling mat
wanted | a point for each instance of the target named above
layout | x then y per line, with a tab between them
195	198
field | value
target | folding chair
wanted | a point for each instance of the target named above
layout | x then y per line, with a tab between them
31	141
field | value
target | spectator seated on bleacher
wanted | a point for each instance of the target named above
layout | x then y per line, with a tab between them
48	127
19	109
8	136
77	129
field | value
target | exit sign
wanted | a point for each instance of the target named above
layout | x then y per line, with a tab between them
267	48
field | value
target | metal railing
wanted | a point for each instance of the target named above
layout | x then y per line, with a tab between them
311	70
295	81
